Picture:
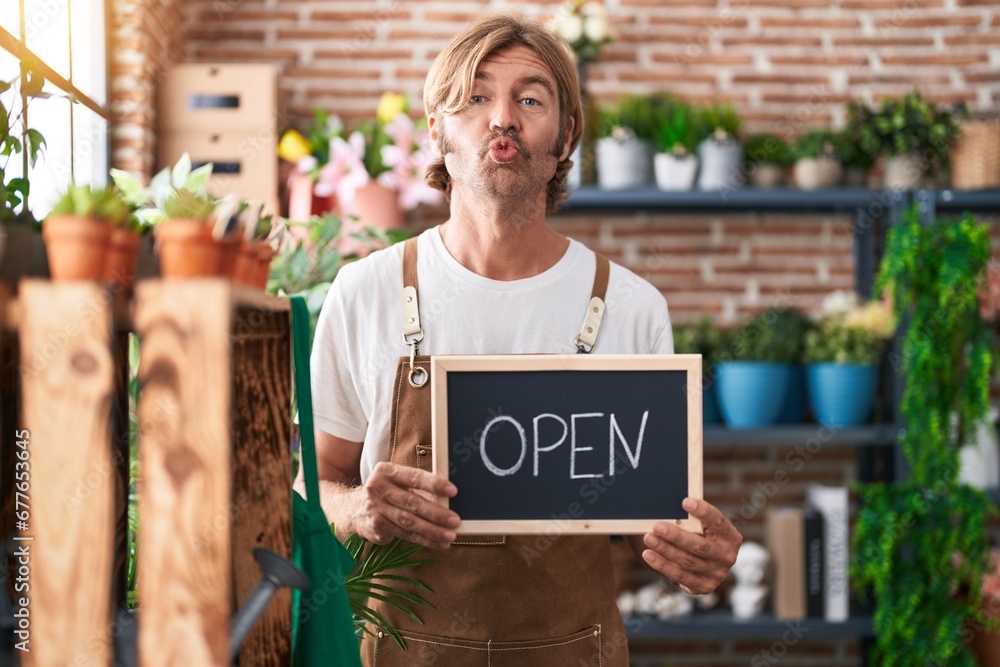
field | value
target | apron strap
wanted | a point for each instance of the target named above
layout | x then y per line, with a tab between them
412	332
587	337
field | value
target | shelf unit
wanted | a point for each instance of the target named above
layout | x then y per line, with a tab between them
872	211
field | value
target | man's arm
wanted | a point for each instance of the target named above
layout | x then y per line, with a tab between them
396	501
698	563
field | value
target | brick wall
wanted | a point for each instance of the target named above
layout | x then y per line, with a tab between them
147	35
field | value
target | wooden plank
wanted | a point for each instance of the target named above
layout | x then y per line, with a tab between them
66	376
185	561
261	430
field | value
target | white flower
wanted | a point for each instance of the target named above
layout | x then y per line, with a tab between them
570	27
838	302
596	25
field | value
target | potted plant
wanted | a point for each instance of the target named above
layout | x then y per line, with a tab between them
791	326
624	150
920	541
702	338
720	151
675	134
767	157
753	372
123	248
912	135
186	244
376	172
260	234
816	162
78	230
843	355
857	162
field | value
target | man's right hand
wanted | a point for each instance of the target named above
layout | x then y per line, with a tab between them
400	501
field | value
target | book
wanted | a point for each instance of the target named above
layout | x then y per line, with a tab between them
831	503
815	569
785	540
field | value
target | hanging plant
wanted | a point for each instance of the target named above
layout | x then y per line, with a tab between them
920	544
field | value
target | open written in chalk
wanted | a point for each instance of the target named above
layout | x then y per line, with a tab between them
574	443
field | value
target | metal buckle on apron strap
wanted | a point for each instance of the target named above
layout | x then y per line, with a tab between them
417	376
587	338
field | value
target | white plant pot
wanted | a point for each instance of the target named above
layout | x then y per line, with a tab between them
575	176
904	172
622	164
720	164
855	177
818	172
766	175
674	172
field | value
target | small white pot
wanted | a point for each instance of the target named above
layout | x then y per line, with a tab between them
720	164
622	163
767	175
675	172
817	172
904	172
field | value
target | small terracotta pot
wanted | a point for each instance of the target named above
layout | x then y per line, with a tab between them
374	204
76	247
264	256
187	249
229	251
247	263
119	267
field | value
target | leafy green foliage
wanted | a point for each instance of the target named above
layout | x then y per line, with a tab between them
100	203
676	126
834	341
920	541
777	334
149	202
903	125
14	191
189	205
381	572
847	144
633	112
700	338
718	118
813	144
767	149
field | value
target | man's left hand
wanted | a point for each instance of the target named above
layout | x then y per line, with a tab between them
698	563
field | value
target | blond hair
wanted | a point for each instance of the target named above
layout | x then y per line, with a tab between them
452	76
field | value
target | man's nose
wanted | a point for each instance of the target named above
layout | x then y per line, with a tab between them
504	115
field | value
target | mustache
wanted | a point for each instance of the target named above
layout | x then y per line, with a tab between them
511	134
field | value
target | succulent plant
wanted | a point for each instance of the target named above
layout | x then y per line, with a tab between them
98	203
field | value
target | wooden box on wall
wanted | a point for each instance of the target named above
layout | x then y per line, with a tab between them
224	114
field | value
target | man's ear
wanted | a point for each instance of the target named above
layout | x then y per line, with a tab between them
567	138
432	127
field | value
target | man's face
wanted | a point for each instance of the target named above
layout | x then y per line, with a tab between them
505	143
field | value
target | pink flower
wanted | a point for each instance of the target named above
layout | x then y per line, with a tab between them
345	172
407	159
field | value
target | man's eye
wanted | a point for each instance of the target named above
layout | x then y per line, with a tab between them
531	101
476	99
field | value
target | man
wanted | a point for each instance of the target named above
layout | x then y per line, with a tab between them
503	109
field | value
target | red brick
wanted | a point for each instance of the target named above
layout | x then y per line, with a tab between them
932	59
296	34
977	3
986	76
797	23
804	41
929	21
706	58
367	54
819	60
229	34
641	76
709	21
907	78
793	4
992	39
371	15
876	5
885	41
782	79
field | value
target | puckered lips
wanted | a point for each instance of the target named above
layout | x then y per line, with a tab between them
503	150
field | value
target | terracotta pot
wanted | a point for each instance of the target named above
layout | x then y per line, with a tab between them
374	204
76	247
229	250
187	249
119	267
264	256
303	202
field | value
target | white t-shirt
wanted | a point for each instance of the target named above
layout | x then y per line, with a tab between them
359	337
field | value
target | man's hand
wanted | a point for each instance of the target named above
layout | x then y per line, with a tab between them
698	563
399	501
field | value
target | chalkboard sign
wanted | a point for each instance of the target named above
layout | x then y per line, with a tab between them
575	443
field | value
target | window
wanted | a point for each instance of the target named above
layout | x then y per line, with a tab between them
68	40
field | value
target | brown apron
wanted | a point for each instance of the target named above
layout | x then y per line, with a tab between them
501	600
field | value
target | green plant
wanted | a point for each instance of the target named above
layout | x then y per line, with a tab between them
190	205
834	341
813	144
373	577
149	202
100	203
26	144
847	144
921	543
699	338
776	334
717	119
675	126
632	113
767	149
900	125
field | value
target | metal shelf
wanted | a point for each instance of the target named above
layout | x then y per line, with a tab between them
721	623
873	435
847	200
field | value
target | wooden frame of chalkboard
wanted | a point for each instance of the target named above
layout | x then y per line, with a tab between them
496	434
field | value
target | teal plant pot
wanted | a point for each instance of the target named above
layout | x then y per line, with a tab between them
794	409
710	405
751	393
842	394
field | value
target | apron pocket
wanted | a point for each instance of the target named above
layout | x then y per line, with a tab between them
580	649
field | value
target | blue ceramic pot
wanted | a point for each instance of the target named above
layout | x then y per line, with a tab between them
710	405
751	393
794	409
842	394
